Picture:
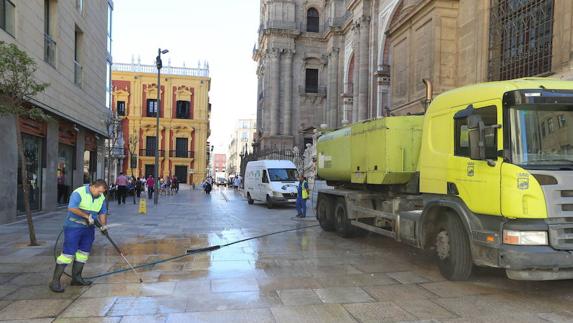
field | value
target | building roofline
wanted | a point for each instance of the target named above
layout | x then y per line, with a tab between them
166	70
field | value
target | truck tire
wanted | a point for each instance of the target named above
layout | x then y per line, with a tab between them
269	203
249	199
453	249
341	222
324	213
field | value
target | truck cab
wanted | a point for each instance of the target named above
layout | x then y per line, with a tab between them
509	173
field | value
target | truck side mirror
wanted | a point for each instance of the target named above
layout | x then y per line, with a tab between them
476	134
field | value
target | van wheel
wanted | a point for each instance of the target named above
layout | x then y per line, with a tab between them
324	213
341	222
249	199
453	249
269	202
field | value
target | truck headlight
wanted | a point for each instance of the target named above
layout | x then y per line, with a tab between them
525	238
277	194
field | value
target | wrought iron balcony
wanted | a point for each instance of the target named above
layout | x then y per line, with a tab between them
181	154
150	153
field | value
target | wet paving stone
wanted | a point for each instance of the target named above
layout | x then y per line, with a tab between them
300	276
378	312
298	297
332	313
31	309
89	307
238	316
340	295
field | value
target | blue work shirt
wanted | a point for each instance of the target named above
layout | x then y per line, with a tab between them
72	219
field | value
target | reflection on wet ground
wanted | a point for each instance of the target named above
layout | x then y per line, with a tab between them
301	276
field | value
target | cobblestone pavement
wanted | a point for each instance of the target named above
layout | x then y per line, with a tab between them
301	276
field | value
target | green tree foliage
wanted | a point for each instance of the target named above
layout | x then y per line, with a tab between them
17	86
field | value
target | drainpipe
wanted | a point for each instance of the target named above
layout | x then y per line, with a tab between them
429	90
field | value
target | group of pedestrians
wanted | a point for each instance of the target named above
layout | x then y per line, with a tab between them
124	185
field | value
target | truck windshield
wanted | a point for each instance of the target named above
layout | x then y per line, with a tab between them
282	174
542	135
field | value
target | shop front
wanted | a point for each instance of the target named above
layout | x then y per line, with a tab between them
33	138
65	163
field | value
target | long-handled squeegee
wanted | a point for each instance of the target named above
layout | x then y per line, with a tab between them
106	234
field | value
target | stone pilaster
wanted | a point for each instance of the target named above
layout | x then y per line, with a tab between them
363	67
383	82
287	102
332	111
347	103
355	72
275	88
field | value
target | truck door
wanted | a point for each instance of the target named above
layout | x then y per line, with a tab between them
476	182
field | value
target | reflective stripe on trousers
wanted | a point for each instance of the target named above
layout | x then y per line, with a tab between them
64	259
82	256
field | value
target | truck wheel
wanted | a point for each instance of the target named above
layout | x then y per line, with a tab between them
269	202
453	250
324	213
341	222
249	199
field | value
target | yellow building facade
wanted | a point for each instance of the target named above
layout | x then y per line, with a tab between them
184	119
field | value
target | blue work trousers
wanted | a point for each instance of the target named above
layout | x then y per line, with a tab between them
301	206
76	238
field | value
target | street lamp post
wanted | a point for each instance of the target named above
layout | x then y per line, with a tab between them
159	64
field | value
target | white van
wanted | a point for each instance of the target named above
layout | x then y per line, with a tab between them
271	181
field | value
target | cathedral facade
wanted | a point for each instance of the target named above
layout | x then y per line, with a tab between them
327	63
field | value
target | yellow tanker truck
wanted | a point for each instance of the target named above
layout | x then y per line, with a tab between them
484	177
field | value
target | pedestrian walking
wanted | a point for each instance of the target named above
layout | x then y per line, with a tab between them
138	187
122	183
150	186
301	197
85	207
174	185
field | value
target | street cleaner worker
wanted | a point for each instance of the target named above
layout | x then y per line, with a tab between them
86	206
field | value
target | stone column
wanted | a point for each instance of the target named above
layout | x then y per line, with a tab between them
9	162
287	108
49	174
347	103
260	97
383	83
363	67
275	88
355	71
332	112
78	178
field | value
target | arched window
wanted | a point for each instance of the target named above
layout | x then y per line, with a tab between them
312	20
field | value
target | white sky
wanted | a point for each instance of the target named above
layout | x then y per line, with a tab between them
223	32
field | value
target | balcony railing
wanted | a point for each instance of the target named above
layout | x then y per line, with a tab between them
78	73
181	154
49	50
142	68
150	153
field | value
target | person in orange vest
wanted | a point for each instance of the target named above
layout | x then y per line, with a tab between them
301	197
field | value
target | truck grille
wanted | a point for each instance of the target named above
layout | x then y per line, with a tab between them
289	195
561	233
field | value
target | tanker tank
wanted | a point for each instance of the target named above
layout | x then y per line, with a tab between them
379	152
